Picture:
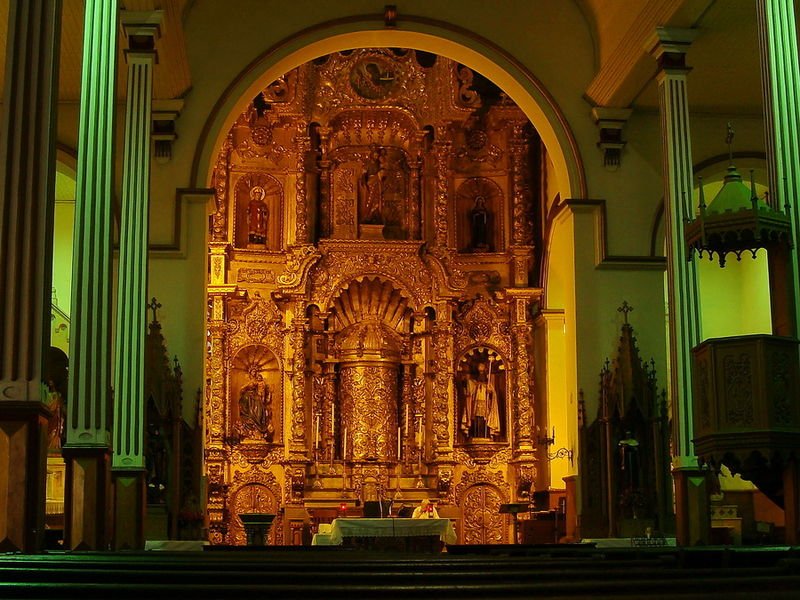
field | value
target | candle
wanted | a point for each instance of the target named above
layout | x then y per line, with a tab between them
333	419
344	445
398	443
316	434
419	431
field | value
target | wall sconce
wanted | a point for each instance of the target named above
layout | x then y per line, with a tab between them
560	453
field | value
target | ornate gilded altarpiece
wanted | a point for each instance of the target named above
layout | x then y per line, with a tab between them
370	308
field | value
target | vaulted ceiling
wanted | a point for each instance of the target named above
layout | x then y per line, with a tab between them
170	80
724	57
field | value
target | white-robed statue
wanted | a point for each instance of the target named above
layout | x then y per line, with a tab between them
481	416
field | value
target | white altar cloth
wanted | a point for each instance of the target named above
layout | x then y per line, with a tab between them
391	527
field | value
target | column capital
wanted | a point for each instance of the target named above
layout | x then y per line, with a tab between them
668	45
611	121
141	28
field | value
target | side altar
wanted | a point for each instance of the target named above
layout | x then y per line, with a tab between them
370	307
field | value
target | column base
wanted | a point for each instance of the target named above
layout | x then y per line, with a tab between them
86	501
23	470
791	502
129	508
692	519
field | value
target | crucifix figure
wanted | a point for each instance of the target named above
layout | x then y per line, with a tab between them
625	309
154	305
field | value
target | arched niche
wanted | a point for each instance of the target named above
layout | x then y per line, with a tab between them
255	395
482	396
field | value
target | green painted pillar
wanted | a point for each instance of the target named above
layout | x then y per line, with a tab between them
668	46
88	418
780	82
27	182
128	463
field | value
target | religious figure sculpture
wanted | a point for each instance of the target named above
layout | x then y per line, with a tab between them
257	216
255	399
372	186
479	226
156	463
629	462
481	416
55	424
425	510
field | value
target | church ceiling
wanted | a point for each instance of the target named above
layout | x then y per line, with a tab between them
171	77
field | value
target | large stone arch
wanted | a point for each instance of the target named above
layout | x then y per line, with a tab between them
428	35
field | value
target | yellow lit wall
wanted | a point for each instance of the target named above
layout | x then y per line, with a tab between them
62	240
734	300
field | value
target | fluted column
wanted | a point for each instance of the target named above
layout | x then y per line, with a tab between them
27	180
128	463
88	418
780	78
669	48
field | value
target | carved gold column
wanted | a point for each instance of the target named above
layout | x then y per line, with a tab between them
219	221
521	330
215	455
303	145
522	222
324	184
443	352
441	150
27	182
297	442
415	195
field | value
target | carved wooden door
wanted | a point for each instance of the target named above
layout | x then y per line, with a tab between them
482	522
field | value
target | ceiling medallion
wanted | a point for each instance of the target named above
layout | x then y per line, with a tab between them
373	78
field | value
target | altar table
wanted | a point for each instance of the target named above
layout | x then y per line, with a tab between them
391	527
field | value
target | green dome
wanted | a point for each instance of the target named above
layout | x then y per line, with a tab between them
734	194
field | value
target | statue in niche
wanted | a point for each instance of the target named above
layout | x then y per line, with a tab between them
629	462
257	216
479	226
372	186
480	417
156	461
255	406
55	424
